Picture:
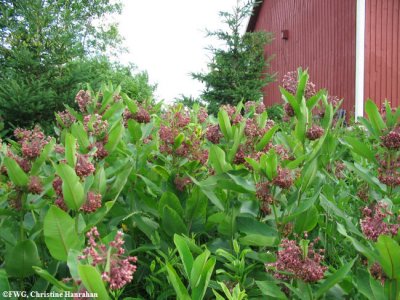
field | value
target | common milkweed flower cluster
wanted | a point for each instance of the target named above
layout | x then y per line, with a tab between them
292	262
376	221
176	121
121	268
32	143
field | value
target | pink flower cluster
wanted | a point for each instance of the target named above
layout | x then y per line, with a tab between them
202	115
31	141
284	178
83	98
290	83
66	118
174	123
213	133
259	107
295	264
264	195
373	223
121	268
57	186
288	110
388	169
234	116
141	116
315	132
84	167
182	182
96	126
35	185
391	140
93	202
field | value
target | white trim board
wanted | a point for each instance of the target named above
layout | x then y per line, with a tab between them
360	59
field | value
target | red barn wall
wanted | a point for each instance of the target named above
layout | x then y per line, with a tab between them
382	51
322	36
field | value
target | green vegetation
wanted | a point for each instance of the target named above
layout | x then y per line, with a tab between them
238	69
51	49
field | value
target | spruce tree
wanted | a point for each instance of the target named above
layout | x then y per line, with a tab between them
238	69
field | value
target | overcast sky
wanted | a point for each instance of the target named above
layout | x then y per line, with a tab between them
167	38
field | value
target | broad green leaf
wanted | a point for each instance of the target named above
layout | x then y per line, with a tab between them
54	281
14	171
179	140
196	205
333	279
308	174
114	136
314	99
170	199
163	172
92	281
79	132
135	130
209	192
73	262
72	188
289	98
198	267
70	150
177	284
4	284
20	260
389	256
374	116
253	163
270	289
100	180
359	148
59	233
252	226
113	112
199	291
237	138
217	160
366	175
172	222
225	124
271	165
153	188
129	103
301	85
258	240
305	204
306	221
364	250
266	138
363	285
184	253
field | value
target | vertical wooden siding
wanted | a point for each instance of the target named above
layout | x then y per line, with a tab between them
382	47
321	38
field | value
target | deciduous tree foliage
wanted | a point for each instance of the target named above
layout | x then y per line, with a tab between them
49	49
238	69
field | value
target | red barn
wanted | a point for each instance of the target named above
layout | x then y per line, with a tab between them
350	47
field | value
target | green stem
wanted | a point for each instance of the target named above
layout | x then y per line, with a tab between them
276	219
299	197
21	223
309	291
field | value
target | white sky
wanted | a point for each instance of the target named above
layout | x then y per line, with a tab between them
167	38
